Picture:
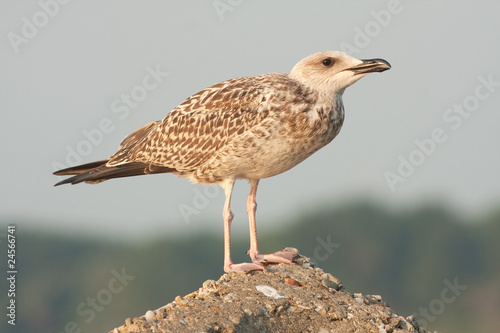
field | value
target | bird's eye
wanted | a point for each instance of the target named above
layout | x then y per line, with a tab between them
328	62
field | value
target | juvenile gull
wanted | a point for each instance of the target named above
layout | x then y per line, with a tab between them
251	127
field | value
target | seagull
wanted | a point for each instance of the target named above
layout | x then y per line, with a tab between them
251	128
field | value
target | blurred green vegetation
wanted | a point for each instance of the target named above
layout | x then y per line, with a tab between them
405	256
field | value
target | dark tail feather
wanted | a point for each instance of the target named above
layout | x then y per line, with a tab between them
84	173
76	170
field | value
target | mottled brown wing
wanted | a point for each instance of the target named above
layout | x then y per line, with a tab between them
137	135
196	129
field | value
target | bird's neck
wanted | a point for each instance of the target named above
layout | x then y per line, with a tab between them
329	110
337	111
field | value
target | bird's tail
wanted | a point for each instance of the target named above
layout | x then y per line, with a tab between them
96	172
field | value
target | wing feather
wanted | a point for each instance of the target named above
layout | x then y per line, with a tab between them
201	125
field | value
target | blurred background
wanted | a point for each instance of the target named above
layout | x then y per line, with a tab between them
403	203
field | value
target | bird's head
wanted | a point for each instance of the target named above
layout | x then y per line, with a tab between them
333	71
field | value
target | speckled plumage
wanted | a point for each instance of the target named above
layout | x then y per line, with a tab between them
251	127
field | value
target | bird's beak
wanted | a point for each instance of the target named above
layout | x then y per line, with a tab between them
370	65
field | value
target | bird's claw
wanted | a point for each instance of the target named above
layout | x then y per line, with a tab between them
244	267
280	257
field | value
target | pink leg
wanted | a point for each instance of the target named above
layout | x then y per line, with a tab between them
228	218
276	257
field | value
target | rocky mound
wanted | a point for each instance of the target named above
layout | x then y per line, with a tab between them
285	298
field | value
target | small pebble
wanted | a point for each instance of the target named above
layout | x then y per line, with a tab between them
149	316
213	298
263	310
270	307
321	310
281	308
191	295
330	284
293	282
228	297
269	291
133	327
381	328
413	321
305	307
331	281
210	285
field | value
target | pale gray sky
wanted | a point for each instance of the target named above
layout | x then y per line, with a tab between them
67	69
